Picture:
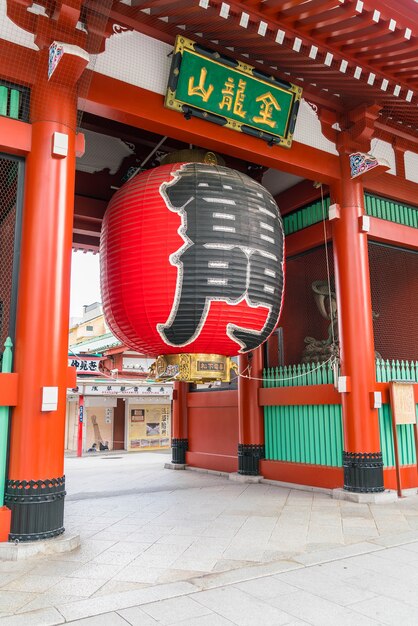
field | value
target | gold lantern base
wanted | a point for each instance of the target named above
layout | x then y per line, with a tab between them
193	368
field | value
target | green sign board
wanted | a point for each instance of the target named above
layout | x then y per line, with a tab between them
233	94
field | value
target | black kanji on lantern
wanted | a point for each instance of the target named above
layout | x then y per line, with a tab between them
233	251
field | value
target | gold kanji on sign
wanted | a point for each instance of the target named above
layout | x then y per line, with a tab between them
231	100
200	90
268	103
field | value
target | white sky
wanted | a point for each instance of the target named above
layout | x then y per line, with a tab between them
85	281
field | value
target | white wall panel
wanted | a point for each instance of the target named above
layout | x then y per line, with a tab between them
383	149
136	59
411	166
308	130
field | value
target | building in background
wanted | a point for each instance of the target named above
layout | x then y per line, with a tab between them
122	409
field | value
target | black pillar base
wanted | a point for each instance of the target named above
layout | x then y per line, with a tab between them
363	472
249	456
178	451
37	508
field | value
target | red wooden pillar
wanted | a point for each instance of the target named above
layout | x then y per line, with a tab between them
362	457
250	413
179	441
36	487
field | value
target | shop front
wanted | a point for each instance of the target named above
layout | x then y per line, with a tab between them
122	416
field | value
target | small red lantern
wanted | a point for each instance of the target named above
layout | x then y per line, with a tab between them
192	267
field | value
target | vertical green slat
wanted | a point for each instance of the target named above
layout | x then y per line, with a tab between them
282	437
302	434
290	432
340	437
291	426
14	103
296	440
333	435
325	433
282	426
317	435
267	433
275	432
4	92
272	434
378	208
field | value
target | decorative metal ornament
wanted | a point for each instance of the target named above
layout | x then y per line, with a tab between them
197	368
361	163
56	51
192	268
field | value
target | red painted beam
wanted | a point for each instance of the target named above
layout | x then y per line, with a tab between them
306	395
8	389
298	196
116	100
409	478
89	207
301	474
215	462
397	234
393	187
313	394
308	238
384	388
15	136
87	226
17	63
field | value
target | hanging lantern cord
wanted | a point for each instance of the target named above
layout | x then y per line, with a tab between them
332	360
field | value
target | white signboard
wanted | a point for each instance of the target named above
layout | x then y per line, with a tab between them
127	389
84	365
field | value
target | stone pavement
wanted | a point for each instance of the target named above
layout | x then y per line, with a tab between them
164	547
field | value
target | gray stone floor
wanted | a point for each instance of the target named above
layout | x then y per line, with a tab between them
164	547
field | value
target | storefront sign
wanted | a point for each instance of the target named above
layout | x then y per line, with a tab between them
115	389
84	365
231	93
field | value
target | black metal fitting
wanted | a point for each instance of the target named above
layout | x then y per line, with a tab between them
363	472
178	451
37	508
249	456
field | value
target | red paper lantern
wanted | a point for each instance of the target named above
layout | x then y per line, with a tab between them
192	261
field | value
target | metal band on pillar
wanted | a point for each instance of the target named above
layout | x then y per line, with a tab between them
37	508
363	472
178	451
249	456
